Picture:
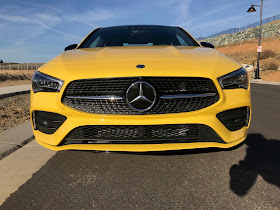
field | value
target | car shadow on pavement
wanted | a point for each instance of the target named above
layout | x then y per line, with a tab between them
262	158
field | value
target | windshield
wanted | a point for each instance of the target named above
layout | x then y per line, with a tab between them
138	36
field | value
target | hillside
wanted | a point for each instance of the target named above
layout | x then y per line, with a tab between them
246	52
15	77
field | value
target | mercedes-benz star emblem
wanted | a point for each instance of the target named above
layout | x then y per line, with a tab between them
141	96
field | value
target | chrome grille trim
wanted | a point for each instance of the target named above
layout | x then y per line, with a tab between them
187	96
162	97
96	97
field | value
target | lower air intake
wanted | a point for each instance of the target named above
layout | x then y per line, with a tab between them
47	122
235	119
141	134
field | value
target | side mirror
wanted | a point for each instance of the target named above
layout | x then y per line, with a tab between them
71	47
206	44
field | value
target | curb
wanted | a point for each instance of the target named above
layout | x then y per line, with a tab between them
264	82
15	148
15	138
14	90
14	94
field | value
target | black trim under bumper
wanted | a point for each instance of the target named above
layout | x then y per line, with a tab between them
141	134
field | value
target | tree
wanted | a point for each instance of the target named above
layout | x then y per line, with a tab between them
1	61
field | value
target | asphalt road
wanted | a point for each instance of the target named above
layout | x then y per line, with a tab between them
246	177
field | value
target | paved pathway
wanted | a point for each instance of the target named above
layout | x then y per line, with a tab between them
14	138
14	90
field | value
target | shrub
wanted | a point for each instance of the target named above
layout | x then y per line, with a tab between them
278	57
13	77
267	54
270	65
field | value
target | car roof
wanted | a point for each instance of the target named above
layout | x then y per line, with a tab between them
137	26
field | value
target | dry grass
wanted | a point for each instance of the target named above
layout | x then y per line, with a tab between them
267	54
277	57
271	43
273	76
14	83
16	74
269	65
15	77
246	52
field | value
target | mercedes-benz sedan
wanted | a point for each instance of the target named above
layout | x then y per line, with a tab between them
140	88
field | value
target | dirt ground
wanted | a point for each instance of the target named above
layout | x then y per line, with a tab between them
271	43
15	77
14	111
246	52
272	76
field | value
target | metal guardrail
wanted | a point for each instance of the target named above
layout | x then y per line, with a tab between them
235	30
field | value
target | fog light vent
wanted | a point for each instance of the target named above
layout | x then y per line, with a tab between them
235	119
47	122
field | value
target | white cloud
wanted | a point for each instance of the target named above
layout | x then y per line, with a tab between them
180	10
221	8
38	18
38	6
46	21
91	17
218	25
20	25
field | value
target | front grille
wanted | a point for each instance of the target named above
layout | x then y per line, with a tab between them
141	134
119	86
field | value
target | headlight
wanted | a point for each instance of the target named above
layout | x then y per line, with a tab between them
45	83
236	79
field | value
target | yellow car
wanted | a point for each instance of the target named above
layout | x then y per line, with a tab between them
140	88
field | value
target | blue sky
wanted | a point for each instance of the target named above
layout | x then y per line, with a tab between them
37	31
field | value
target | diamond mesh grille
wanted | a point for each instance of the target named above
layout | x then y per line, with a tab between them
142	134
118	87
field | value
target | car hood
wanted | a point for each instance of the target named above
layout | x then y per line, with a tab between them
122	61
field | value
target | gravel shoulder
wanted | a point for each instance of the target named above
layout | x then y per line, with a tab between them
14	111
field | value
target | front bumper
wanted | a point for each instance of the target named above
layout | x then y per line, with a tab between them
229	99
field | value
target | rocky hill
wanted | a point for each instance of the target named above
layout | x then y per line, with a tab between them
271	29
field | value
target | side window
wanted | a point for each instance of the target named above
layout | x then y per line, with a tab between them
94	43
182	41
